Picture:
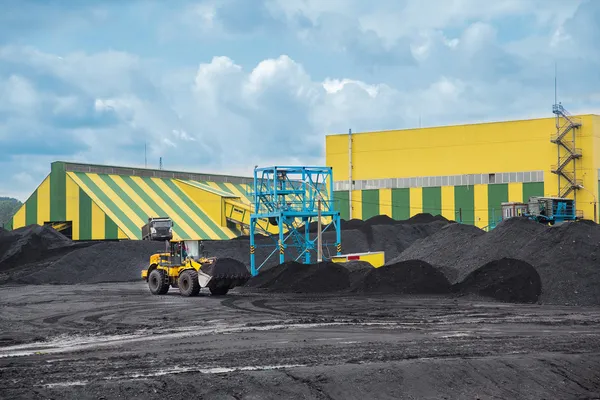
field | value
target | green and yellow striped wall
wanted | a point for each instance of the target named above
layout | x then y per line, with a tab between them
130	200
477	205
111	206
89	221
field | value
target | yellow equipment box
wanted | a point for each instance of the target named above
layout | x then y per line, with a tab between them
376	259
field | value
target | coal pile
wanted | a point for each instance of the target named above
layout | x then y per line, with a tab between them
518	261
567	257
31	244
353	241
393	239
408	277
293	277
357	272
405	277
101	262
266	275
506	240
394	236
460	249
421	218
351	224
444	249
506	280
381	220
424	218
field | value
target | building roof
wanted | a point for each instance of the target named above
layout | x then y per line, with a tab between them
455	125
149	172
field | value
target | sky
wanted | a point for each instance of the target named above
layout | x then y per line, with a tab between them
222	86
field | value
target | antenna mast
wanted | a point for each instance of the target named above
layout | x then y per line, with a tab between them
555	84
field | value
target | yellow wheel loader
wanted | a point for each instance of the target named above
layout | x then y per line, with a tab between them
182	266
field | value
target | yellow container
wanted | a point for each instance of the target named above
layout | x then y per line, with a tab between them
376	259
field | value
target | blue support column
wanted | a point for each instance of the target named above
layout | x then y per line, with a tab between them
253	269
287	197
338	235
281	244
307	239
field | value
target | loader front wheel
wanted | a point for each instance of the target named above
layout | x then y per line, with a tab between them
157	282
188	283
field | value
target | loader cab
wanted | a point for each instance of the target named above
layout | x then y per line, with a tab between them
178	251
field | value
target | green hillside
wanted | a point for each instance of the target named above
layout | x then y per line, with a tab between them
8	208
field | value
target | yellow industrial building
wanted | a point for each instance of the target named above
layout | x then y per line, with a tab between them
462	172
465	172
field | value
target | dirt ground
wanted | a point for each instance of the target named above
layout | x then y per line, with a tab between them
117	341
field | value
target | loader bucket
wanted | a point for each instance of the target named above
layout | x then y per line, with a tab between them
226	273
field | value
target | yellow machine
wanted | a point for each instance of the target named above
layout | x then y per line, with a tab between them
190	272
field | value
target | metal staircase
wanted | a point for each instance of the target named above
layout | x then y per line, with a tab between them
567	152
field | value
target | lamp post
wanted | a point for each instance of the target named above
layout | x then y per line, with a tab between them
319	226
319	239
595	200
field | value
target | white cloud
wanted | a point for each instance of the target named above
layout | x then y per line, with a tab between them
19	93
335	85
438	62
392	20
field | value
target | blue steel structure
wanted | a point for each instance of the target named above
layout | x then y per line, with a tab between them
288	197
551	210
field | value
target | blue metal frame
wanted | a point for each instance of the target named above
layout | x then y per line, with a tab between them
562	210
287	196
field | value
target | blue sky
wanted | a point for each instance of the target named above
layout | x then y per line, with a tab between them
221	86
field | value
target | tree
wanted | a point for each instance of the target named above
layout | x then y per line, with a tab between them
8	208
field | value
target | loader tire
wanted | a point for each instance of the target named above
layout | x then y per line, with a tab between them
157	282
188	283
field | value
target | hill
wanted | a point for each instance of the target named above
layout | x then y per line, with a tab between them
8	208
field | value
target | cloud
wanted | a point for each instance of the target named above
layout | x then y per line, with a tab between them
241	85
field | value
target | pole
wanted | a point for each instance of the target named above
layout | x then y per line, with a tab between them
350	174
319	244
253	270
460	214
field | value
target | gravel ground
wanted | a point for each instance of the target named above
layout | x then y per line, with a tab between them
118	341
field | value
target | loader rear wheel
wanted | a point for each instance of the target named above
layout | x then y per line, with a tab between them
157	282
188	283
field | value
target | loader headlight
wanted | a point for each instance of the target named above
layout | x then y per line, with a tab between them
170	230
152	230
